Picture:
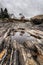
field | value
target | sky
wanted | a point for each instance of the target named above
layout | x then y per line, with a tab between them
28	8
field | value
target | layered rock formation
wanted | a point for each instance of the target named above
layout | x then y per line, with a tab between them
20	44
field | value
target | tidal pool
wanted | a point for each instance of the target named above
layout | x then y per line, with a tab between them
22	37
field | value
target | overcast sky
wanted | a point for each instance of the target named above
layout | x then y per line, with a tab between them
28	8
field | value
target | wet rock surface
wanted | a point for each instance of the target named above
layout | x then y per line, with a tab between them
20	44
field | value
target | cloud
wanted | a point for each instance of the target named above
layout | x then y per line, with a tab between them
28	8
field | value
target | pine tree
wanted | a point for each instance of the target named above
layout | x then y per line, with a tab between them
1	13
6	15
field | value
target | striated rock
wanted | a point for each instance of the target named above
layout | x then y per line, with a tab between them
29	51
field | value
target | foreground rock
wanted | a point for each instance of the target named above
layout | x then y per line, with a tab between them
20	45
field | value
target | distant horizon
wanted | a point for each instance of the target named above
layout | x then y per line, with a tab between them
22	14
28	8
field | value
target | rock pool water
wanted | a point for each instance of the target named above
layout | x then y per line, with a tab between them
22	37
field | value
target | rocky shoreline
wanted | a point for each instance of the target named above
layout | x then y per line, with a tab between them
21	44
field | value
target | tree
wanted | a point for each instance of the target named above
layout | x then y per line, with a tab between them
1	13
6	15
